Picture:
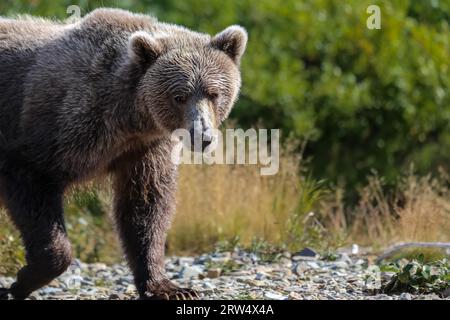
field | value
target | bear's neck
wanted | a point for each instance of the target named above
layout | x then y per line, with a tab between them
127	129
137	121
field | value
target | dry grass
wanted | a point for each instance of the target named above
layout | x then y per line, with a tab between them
220	202
417	210
225	203
215	203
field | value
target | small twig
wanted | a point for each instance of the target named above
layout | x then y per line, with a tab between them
390	251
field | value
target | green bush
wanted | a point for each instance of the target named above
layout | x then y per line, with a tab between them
366	99
417	276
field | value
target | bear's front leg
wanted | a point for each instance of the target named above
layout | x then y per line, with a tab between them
36	209
145	201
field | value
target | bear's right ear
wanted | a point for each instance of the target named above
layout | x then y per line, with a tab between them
143	48
232	41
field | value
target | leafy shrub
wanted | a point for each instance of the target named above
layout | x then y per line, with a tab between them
417	276
12	254
367	99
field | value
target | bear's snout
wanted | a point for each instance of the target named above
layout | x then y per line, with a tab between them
201	127
200	139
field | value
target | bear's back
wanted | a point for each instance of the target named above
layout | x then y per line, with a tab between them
34	46
25	31
20	40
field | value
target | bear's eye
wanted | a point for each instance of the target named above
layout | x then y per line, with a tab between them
180	99
213	96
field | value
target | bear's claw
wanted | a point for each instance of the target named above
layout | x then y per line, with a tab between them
166	290
180	294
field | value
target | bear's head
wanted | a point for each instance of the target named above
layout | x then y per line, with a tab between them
190	80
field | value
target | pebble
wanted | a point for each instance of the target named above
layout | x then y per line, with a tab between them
208	286
294	296
405	296
190	272
300	269
274	296
312	264
118	296
261	276
300	279
214	273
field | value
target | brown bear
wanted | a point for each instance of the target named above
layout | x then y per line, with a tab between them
99	97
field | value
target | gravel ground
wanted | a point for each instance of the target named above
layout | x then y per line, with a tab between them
237	275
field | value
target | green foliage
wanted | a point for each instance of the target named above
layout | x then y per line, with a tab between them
226	267
366	99
244	296
90	231
304	227
227	245
12	254
266	252
417	276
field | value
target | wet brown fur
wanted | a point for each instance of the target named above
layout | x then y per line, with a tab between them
97	97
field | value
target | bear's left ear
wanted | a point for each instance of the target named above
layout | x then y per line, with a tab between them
143	48
232	41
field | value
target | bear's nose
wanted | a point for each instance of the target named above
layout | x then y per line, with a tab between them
206	141
200	139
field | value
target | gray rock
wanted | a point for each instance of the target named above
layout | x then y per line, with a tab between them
311	279
208	286
345	258
274	296
118	296
300	269
312	264
305	254
50	290
6	282
190	272
214	273
261	276
405	296
295	296
339	265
